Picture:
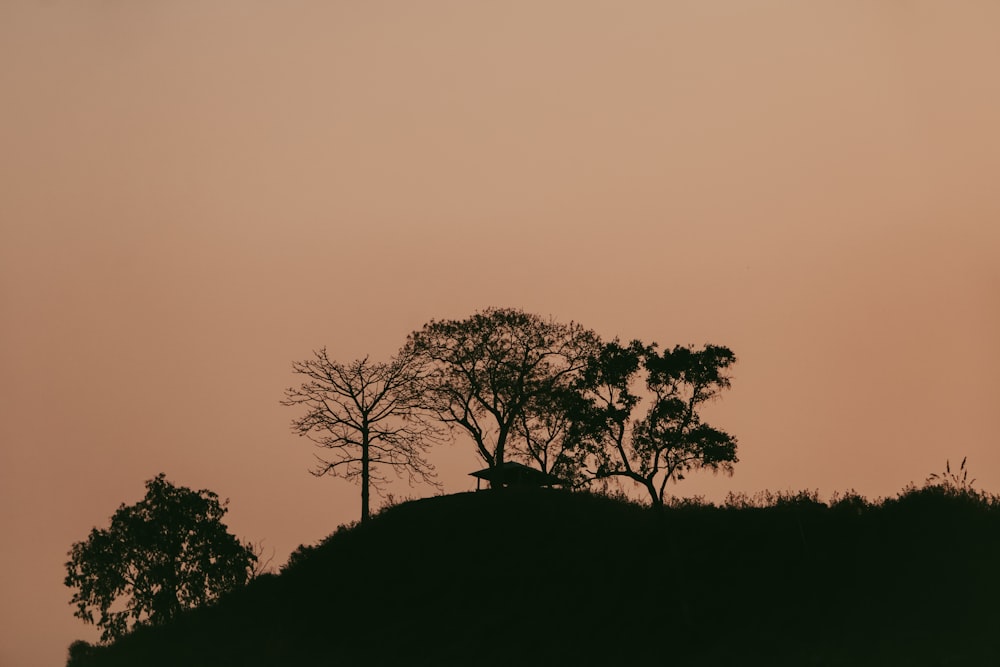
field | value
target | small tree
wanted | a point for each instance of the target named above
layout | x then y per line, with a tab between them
368	416
168	552
670	439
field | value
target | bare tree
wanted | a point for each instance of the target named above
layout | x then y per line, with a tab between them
262	565
367	415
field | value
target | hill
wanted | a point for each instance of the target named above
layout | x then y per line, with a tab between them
555	578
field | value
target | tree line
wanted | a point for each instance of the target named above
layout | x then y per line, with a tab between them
522	388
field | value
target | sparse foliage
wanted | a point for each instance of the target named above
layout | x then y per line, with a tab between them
368	416
953	481
168	552
262	565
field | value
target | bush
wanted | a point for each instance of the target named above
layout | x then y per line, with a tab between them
79	651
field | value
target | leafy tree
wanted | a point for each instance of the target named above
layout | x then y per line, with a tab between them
368	415
670	439
492	374
546	432
168	552
600	408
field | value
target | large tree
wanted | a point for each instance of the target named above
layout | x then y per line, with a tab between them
670	439
367	415
168	552
485	372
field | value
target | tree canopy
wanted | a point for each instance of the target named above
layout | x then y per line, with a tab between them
524	389
670	439
166	553
492	375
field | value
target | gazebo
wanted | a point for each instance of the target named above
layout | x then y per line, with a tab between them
514	474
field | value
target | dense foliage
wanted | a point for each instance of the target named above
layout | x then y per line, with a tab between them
167	553
491	375
659	442
557	397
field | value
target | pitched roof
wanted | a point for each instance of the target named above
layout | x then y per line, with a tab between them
512	472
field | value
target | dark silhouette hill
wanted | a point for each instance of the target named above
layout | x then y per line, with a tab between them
545	577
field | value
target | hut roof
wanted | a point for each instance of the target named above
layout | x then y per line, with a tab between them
512	472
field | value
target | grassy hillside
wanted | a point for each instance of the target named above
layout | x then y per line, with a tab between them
554	578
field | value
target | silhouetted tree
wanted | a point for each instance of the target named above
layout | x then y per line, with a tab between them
168	552
548	436
670	439
484	373
368	415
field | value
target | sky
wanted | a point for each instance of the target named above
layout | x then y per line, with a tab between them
193	195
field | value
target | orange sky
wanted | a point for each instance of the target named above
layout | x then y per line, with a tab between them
194	194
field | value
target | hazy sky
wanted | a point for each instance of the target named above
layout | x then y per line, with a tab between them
194	194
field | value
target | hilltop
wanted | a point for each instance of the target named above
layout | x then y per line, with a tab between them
555	578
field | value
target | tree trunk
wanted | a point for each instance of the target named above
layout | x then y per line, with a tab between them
365	464
498	456
657	500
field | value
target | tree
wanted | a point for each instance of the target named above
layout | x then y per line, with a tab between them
368	415
549	435
484	372
670	439
168	552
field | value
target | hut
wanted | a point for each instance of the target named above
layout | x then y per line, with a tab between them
514	474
